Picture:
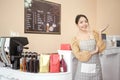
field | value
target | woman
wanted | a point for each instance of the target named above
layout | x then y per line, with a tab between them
86	46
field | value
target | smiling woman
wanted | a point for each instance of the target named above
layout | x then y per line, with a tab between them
86	46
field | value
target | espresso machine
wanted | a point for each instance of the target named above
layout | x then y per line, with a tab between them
11	49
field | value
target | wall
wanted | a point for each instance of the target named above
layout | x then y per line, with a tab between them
99	12
108	12
12	20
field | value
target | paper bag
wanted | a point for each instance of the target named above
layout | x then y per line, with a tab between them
44	63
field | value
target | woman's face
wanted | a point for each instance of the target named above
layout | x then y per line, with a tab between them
83	24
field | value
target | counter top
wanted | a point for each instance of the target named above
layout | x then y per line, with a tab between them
11	74
111	50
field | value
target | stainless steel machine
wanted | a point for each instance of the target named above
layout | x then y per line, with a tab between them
11	49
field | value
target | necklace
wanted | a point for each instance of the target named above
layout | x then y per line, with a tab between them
90	35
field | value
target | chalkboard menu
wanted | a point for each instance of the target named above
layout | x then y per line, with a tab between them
42	17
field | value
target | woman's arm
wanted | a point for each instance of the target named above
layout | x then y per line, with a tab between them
102	30
100	43
83	56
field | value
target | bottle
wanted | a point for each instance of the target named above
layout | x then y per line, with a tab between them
21	64
36	63
24	62
31	67
28	61
63	65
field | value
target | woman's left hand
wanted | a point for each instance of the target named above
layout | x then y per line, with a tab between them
95	51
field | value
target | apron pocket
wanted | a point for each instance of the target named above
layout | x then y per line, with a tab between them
88	68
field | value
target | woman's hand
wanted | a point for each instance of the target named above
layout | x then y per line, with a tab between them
104	28
95	51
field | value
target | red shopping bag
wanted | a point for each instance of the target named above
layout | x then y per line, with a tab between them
54	62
